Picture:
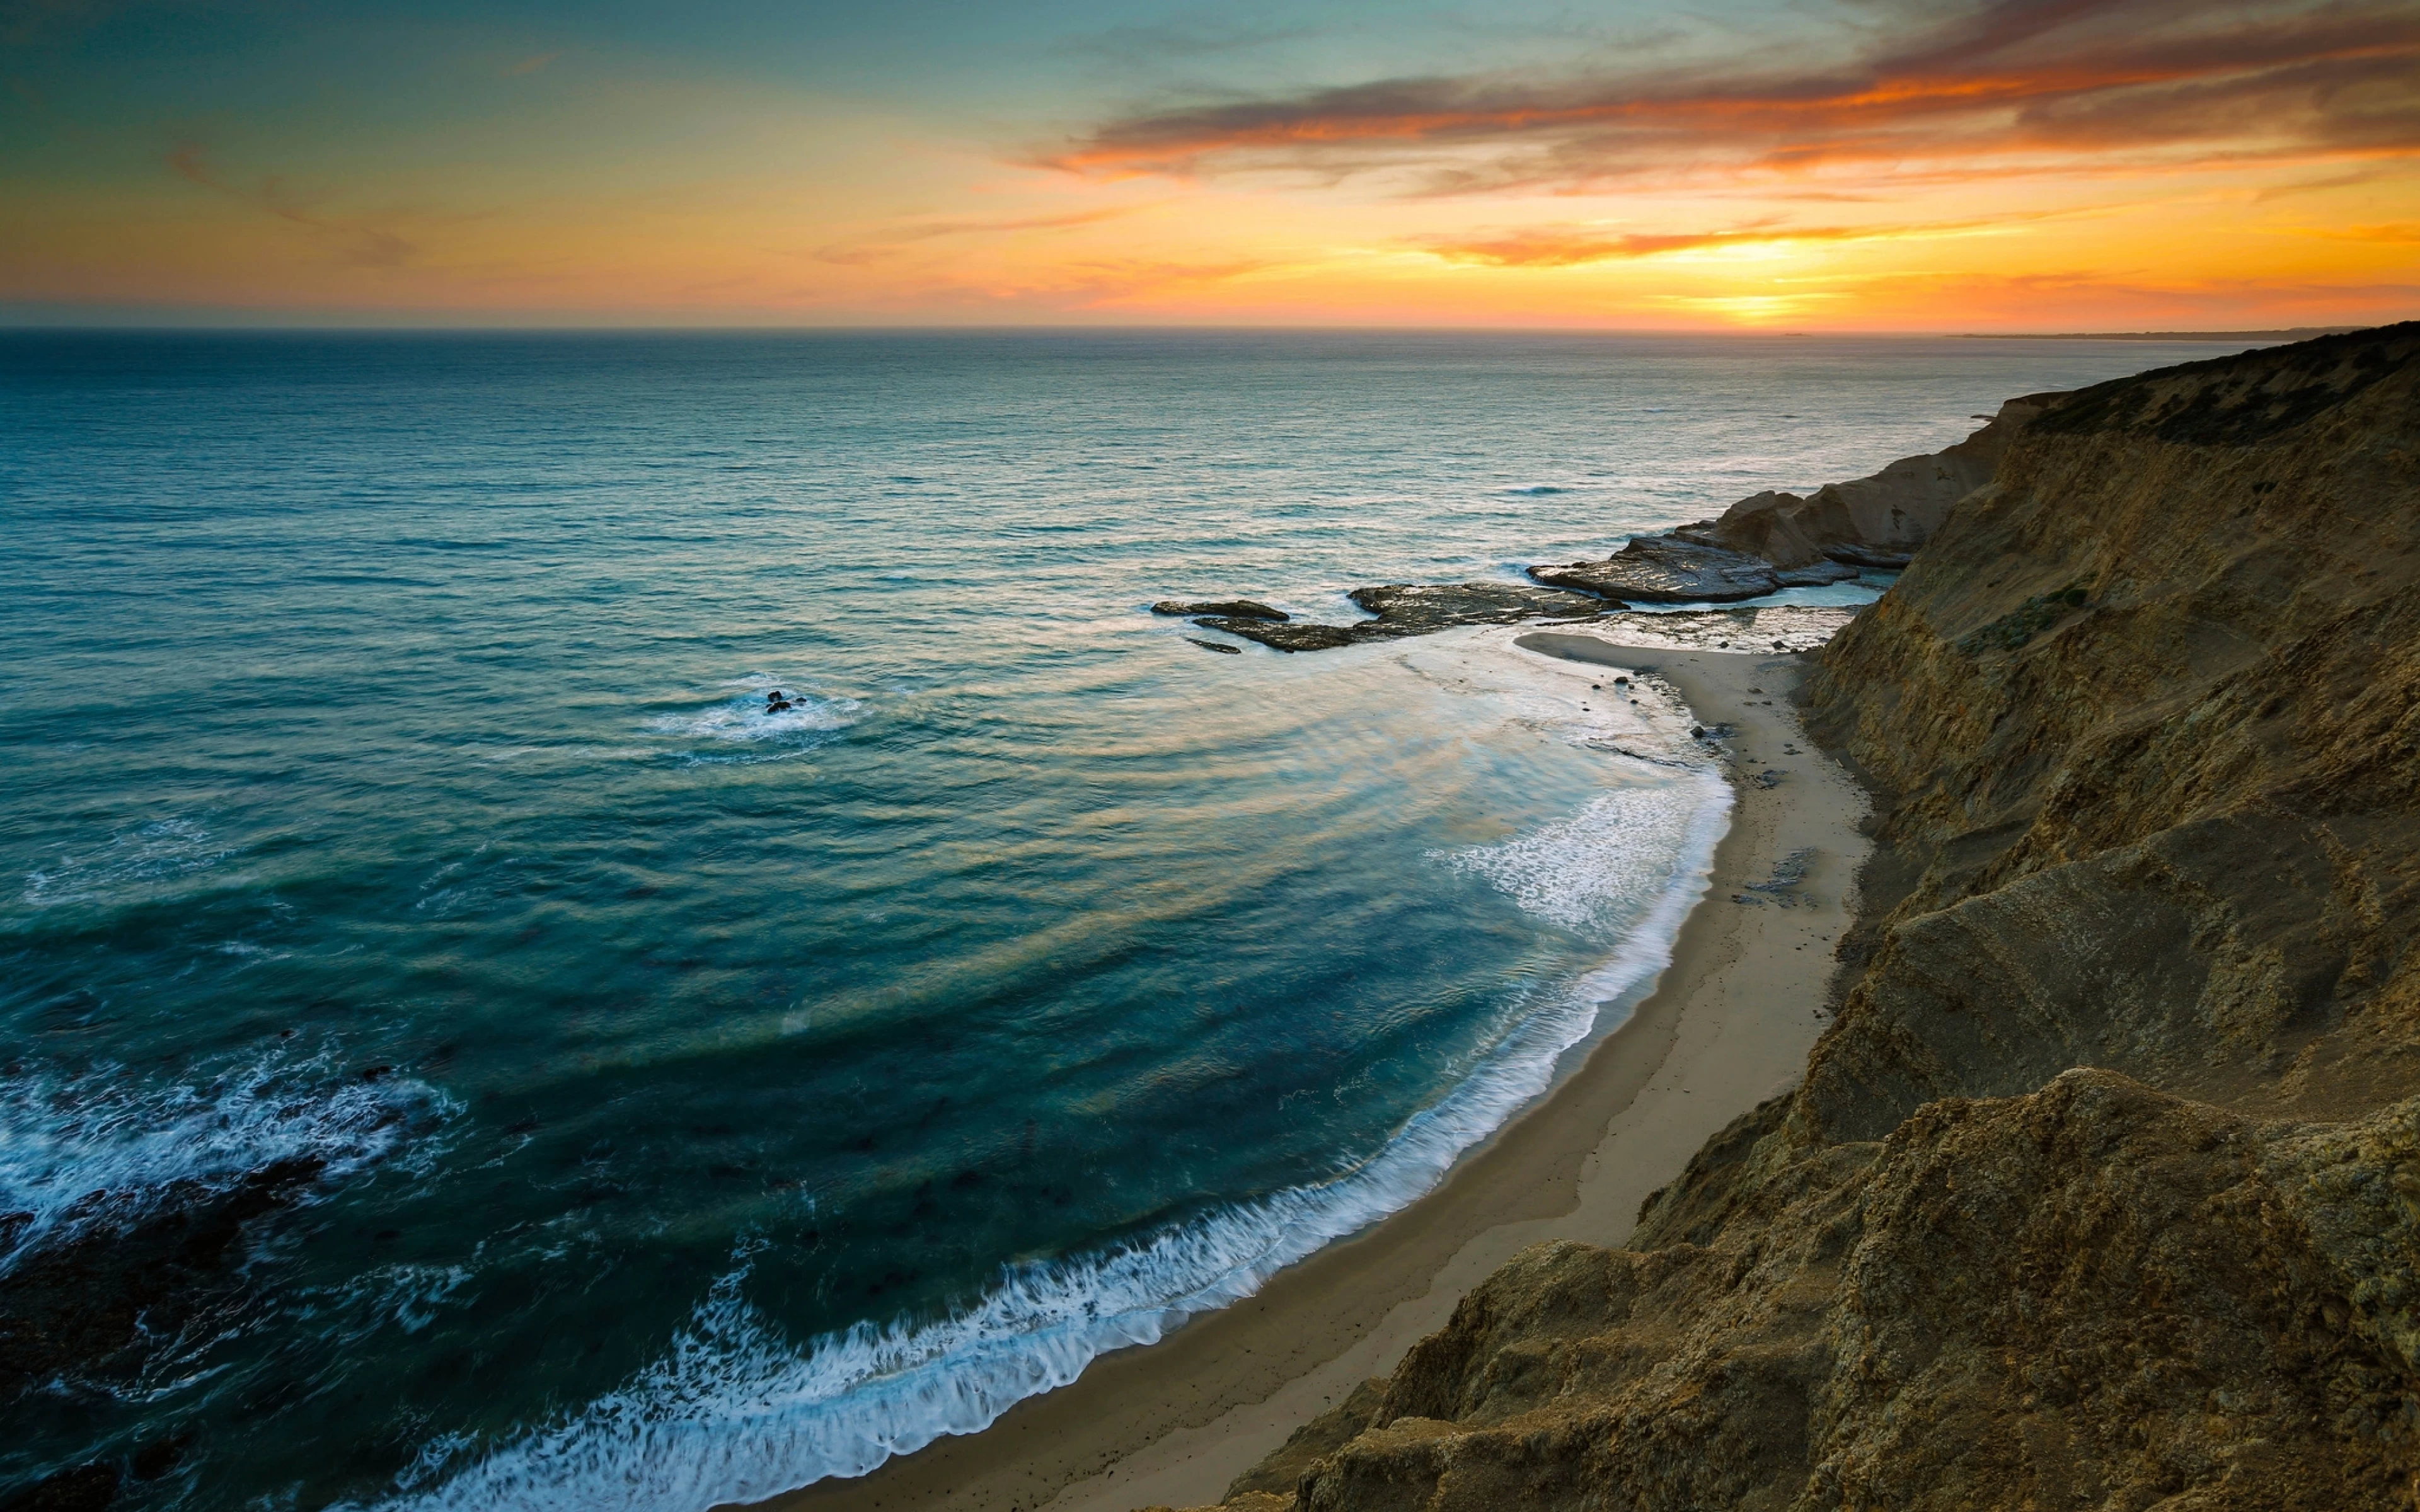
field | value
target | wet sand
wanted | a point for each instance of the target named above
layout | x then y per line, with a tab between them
1728	1024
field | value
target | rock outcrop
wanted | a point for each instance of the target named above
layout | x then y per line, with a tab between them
1774	540
1668	569
1760	545
1416	609
2102	1189
1875	521
1233	609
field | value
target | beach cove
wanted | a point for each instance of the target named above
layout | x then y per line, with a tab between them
638	1094
1727	1025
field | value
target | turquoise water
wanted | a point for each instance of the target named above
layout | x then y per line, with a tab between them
697	1101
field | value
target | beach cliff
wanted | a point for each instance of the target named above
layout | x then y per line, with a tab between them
2102	1188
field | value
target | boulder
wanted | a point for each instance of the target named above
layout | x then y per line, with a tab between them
1235	609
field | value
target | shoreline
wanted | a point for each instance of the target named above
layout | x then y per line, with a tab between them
1728	1025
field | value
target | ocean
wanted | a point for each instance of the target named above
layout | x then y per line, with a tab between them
459	1049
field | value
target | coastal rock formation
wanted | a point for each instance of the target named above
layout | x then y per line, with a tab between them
2102	1189
1874	521
1668	569
1760	545
1764	543
1416	609
1235	609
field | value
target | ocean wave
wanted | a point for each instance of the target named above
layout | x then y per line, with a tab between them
735	1411
1598	868
99	1150
135	861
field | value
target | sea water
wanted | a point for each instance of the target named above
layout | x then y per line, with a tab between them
695	1101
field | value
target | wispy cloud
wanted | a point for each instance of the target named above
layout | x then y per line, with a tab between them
529	65
2044	79
872	246
354	243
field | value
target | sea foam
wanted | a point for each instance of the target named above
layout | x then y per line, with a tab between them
95	1151
809	722
137	861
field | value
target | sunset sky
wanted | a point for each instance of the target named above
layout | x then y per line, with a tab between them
1784	164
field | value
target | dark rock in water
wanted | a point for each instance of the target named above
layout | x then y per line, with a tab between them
1416	609
1419	608
1232	609
96	1304
84	1488
1287	637
1667	569
1219	647
161	1456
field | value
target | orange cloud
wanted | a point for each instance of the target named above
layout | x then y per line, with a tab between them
2043	78
1552	246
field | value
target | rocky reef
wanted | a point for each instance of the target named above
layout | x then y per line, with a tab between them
1413	609
1672	569
1760	545
2102	1188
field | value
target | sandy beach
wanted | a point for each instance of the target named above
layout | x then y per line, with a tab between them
1728	1024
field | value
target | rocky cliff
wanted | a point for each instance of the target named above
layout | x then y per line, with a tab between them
2103	1187
1764	543
1878	520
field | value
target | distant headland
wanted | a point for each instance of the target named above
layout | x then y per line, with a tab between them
2294	334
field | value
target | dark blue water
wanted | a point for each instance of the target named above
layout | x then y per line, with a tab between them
663	1101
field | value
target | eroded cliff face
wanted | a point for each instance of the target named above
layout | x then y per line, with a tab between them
2103	1187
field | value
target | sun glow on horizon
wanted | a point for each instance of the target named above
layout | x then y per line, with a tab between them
1985	166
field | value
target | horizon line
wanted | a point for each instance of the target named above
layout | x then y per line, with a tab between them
9	328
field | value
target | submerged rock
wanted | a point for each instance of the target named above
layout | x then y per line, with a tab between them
95	1305
1295	636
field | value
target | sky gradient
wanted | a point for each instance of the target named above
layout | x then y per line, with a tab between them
1852	164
